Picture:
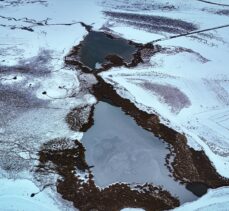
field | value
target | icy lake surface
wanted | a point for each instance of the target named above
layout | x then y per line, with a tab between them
121	151
97	45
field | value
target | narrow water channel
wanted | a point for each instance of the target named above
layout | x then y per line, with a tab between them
120	151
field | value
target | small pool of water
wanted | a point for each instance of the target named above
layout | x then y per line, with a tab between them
122	151
199	189
97	46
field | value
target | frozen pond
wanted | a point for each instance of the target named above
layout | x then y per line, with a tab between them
98	45
122	151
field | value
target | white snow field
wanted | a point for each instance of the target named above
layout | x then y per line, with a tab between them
37	91
186	84
16	195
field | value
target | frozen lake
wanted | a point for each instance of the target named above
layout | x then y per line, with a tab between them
123	152
98	45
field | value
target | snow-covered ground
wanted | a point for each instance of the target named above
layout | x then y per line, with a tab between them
37	90
16	195
186	84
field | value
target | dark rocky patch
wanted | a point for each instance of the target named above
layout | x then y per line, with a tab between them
199	189
152	23
223	12
78	118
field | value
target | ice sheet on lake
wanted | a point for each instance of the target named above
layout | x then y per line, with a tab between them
121	151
